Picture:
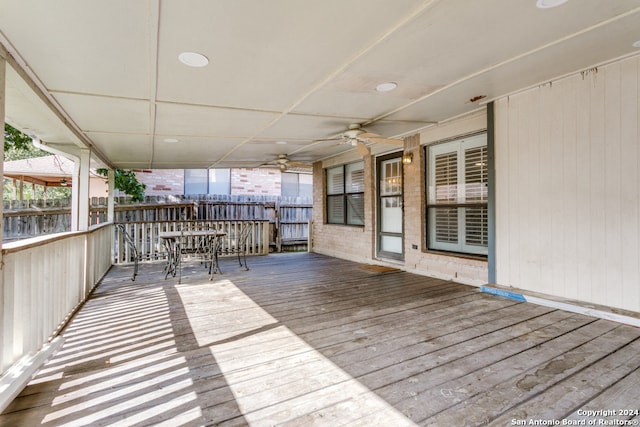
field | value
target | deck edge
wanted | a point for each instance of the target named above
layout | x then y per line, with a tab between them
16	378
574	308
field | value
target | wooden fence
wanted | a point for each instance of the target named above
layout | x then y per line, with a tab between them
150	248
23	219
288	218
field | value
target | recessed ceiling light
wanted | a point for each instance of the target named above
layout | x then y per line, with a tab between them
281	142
193	59
546	4
386	87
636	44
171	140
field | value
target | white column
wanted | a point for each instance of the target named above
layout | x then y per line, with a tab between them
3	63
83	190
111	180
75	178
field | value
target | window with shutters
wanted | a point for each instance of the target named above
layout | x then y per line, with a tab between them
457	212
345	194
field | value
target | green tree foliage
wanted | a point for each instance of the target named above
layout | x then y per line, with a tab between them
34	192
18	146
125	180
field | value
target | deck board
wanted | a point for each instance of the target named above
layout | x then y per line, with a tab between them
308	340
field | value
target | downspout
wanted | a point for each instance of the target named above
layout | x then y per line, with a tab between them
75	179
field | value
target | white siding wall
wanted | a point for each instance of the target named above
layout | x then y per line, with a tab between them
568	189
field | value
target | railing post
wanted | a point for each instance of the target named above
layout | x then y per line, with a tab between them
265	237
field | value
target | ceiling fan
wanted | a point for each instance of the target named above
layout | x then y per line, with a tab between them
284	163
359	137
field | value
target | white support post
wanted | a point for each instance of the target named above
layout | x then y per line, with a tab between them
75	196
3	63
83	190
111	180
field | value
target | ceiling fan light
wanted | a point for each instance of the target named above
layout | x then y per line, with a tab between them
193	59
386	87
547	4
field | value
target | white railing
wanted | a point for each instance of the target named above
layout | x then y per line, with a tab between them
145	237
45	279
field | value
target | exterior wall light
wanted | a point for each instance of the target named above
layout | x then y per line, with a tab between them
407	157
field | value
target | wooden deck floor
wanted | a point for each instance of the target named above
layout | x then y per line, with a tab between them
307	340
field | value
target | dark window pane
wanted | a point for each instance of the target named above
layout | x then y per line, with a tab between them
335	209
476	226
335	180
476	174
446	177
446	224
355	209
355	177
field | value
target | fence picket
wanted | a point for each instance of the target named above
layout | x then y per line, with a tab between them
149	247
287	217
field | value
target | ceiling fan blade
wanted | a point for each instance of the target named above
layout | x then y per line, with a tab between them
327	139
386	140
368	135
362	149
293	164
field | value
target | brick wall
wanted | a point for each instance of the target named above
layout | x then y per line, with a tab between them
249	181
162	182
256	181
348	242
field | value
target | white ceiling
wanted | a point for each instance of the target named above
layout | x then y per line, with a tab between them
293	71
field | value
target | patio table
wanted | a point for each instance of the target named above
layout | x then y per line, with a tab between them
200	243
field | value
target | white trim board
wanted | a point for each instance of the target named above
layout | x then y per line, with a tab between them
574	308
15	379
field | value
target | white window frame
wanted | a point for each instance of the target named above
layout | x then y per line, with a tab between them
460	202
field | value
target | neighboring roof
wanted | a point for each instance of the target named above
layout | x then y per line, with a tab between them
47	170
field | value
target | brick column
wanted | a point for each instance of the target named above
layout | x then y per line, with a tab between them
413	195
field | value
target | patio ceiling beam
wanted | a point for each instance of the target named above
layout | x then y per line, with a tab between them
29	179
22	69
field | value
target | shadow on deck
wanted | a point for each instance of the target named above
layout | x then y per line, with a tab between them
303	339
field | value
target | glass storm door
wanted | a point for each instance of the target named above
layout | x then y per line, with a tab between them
390	207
